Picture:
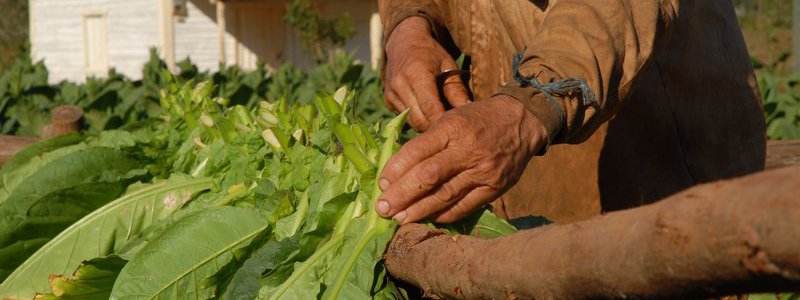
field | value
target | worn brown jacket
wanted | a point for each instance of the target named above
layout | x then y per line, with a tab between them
676	99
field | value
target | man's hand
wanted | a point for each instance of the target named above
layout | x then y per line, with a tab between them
413	60
468	158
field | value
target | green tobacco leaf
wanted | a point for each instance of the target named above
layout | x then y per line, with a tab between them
12	177
37	149
175	264
779	296
48	217
484	224
244	283
103	232
305	280
361	274
92	280
44	203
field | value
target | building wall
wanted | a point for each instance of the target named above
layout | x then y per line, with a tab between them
57	35
134	26
196	36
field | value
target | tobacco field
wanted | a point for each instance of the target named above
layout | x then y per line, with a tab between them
231	185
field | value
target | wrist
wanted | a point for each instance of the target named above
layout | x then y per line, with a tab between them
531	129
409	30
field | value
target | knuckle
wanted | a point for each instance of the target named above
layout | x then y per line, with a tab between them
426	209
390	170
458	119
446	194
396	86
428	104
491	191
489	174
428	174
416	76
415	66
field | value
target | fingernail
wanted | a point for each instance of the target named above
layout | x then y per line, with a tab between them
400	217
382	207
384	184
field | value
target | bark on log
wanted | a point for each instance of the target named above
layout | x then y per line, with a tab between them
63	119
729	237
782	153
10	145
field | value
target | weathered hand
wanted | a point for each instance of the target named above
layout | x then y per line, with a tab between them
413	59
468	158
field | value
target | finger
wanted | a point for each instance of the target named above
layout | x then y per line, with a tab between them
463	207
415	117
450	193
423	179
412	153
455	91
454	88
392	103
428	96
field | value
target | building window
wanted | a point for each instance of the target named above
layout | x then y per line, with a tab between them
95	36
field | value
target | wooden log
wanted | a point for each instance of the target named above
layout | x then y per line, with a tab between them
11	144
729	237
63	119
782	153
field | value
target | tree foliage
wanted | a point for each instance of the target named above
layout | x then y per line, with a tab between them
13	31
318	33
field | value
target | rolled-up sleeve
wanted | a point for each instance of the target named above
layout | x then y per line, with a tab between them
393	12
605	44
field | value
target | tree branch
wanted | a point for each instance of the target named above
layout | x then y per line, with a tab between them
728	237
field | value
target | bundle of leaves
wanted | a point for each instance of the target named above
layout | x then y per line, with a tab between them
115	101
269	202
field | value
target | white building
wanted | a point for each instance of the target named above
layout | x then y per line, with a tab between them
78	38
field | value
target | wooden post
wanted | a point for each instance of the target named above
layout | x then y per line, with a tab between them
221	30
167	33
375	40
64	119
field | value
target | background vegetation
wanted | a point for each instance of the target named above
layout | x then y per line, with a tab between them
767	29
318	33
13	30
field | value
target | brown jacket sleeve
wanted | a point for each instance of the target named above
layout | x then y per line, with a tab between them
605	43
394	12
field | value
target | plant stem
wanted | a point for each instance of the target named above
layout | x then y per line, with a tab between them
375	224
336	240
